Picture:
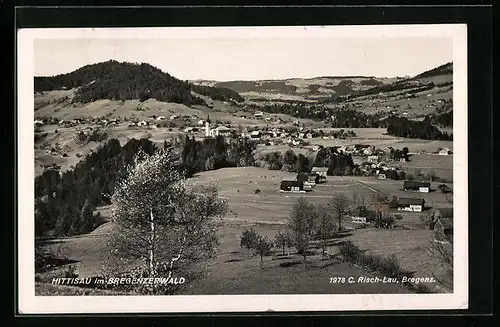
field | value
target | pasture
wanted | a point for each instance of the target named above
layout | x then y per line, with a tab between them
236	271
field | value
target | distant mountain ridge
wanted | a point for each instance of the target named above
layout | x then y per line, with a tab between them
115	80
324	88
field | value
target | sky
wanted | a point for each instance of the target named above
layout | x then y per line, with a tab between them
226	59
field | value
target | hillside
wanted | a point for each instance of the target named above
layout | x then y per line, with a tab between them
297	89
120	81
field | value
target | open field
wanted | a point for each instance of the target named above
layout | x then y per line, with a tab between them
409	246
235	271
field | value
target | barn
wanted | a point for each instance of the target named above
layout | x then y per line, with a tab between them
321	171
411	204
292	186
416	186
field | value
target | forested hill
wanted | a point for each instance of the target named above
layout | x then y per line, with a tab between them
125	81
441	70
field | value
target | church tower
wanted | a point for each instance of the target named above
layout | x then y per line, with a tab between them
207	126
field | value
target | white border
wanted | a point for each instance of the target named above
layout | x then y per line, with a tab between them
29	303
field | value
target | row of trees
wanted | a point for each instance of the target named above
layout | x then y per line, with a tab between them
339	164
306	223
216	153
403	127
217	93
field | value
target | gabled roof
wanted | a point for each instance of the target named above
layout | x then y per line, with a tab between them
319	169
416	184
410	201
291	183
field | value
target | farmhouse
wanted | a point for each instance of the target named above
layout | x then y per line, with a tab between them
416	186
321	171
255	135
258	114
444	152
358	220
313	178
223	130
372	159
310	179
411	204
292	186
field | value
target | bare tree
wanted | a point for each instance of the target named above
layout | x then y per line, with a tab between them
301	224
263	247
259	244
281	241
443	251
340	204
355	199
161	226
325	226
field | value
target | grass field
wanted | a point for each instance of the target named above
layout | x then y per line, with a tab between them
235	271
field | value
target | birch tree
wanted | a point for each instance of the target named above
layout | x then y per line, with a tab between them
340	204
161	226
325	226
301	223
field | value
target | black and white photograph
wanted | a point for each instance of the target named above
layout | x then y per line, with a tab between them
242	168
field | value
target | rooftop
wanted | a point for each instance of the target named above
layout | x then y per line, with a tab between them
323	169
410	201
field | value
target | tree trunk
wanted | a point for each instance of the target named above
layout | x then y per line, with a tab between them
261	264
324	247
151	245
283	250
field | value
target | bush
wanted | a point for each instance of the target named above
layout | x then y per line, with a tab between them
350	251
257	191
70	272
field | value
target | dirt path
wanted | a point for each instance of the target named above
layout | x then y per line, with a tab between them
362	184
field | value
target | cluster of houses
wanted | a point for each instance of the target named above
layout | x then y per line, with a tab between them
413	204
305	181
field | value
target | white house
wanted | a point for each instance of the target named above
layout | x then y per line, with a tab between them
201	122
173	117
38	122
258	114
255	135
372	159
358	220
411	204
444	152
